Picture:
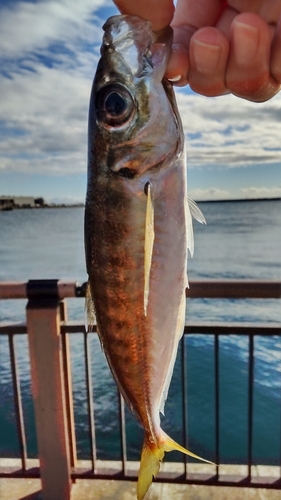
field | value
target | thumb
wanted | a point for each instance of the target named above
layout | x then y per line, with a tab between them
158	12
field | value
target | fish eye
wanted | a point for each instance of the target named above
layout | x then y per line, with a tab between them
114	105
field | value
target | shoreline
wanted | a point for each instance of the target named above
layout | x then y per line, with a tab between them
81	205
41	207
239	200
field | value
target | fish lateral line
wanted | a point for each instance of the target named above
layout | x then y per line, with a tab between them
149	236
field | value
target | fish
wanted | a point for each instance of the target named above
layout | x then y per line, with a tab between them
138	224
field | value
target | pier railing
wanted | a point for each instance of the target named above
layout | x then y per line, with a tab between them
48	332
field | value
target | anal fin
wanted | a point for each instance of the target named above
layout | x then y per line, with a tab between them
90	316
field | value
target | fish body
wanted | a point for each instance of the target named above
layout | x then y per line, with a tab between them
137	224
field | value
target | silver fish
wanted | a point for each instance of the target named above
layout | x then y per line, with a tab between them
138	225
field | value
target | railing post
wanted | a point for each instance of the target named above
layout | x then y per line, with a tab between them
68	388
43	325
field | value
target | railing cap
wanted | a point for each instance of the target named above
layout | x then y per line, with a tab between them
205	288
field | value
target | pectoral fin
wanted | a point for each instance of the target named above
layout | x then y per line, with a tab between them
192	210
148	244
196	212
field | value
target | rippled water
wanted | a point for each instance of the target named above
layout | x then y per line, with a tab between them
241	240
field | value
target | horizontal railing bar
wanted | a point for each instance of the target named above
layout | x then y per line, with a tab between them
268	482
203	479
222	328
10	472
12	328
41	288
234	289
173	470
76	327
234	328
13	290
211	288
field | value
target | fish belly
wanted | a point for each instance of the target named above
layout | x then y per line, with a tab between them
166	305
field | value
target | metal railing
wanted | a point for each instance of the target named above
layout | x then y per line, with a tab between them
48	334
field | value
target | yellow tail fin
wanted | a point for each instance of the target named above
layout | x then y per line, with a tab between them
151	457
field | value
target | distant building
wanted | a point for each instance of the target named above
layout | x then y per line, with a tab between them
6	203
24	201
10	202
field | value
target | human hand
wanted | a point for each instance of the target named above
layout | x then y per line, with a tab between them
219	47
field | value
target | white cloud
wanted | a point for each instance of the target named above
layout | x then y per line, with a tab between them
65	200
231	131
44	100
262	192
26	26
46	115
208	194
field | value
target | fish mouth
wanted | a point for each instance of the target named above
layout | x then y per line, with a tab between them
131	37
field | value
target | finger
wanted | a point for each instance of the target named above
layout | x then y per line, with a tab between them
158	12
275	64
247	73
269	11
178	64
197	14
188	17
208	53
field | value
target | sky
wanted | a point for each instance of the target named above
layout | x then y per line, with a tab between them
49	50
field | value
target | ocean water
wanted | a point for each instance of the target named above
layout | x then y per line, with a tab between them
240	240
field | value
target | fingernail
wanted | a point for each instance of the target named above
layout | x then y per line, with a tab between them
175	78
176	47
245	42
206	57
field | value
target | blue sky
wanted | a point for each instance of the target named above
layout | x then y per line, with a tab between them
48	53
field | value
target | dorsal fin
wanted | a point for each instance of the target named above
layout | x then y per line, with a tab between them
148	244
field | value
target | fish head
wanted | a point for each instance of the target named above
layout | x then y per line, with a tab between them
133	124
